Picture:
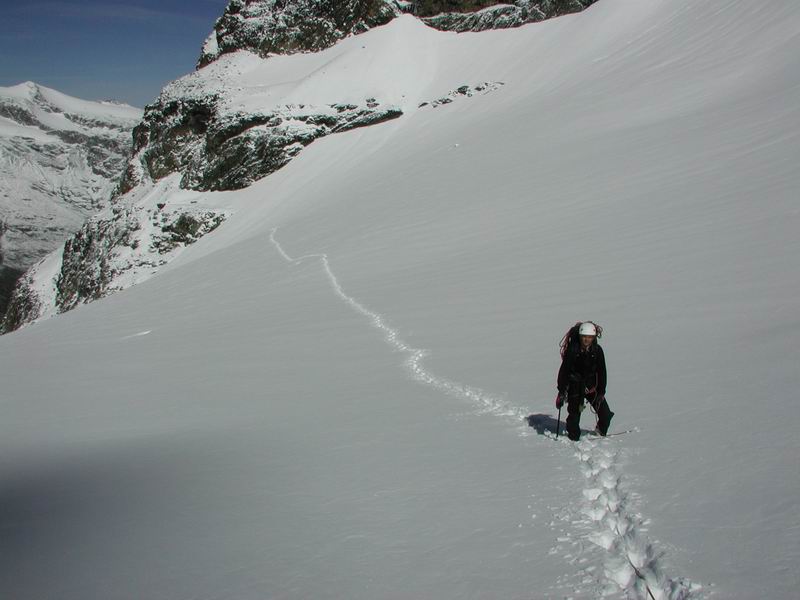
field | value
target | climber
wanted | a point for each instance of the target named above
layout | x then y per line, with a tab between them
582	378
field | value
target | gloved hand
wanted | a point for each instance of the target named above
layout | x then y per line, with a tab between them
561	399
598	400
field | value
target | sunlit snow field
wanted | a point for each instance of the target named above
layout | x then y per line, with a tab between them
248	423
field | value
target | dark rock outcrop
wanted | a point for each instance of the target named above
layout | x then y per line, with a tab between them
87	267
8	279
464	91
95	256
431	8
8	275
215	150
290	26
24	305
124	241
496	15
184	230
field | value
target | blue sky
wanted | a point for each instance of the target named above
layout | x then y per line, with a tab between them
94	49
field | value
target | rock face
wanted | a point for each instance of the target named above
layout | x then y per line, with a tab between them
454	15
24	305
288	26
121	246
86	268
8	275
104	249
216	148
60	158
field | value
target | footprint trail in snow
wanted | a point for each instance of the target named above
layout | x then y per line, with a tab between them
631	564
414	363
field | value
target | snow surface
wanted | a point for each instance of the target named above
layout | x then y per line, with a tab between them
9	128
325	397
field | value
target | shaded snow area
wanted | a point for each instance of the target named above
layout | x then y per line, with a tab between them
326	397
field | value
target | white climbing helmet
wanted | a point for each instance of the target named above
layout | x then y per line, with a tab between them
587	328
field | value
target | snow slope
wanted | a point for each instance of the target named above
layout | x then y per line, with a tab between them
325	398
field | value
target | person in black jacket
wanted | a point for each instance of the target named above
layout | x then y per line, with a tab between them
583	376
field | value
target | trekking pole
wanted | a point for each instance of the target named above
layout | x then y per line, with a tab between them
558	425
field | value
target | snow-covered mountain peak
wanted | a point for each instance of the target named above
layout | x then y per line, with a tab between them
25	90
42	102
60	157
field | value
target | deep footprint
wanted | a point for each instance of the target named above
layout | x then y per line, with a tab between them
631	562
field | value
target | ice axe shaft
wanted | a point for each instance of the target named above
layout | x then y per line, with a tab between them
558	425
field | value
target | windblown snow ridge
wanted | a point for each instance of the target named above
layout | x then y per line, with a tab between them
414	363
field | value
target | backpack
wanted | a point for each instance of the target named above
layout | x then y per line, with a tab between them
571	339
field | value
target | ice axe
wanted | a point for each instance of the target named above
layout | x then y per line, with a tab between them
558	425
559	404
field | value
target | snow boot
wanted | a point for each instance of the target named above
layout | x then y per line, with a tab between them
602	427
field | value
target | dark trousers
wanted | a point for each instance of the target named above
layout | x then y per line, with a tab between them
575	406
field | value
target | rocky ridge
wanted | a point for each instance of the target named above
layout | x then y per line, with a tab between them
488	14
124	244
279	27
269	27
217	147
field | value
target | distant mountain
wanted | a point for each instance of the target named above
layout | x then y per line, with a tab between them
59	161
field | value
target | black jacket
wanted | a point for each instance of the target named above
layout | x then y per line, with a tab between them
586	368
